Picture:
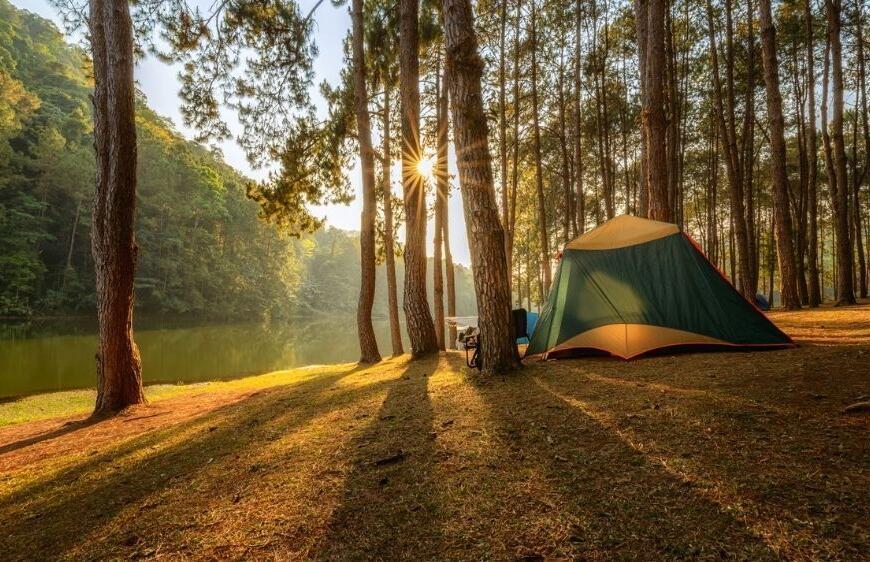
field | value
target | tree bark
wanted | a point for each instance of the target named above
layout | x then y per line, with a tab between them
826	146
655	121
451	282
641	17
782	214
389	246
840	187
865	127
421	330
799	195
485	234
510	225
440	203
815	295
502	115
543	235
113	244
732	157
567	184
368	345
749	153
578	124
857	228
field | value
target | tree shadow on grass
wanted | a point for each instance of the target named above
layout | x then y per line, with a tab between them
793	476
65	429
77	507
390	500
580	491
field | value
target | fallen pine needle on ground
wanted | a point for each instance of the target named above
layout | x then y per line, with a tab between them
741	455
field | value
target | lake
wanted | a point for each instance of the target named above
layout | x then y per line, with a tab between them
50	355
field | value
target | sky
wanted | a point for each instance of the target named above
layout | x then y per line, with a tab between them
160	84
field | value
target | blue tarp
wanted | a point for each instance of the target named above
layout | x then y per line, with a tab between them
531	322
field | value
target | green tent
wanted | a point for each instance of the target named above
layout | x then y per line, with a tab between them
632	286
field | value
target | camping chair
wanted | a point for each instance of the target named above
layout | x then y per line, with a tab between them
471	338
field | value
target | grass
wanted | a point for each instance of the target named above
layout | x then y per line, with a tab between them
68	402
702	456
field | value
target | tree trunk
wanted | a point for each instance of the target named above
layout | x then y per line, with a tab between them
539	177
515	161
485	234
389	248
641	17
857	228
815	295
567	186
800	195
840	187
672	132
448	265
421	330
865	127
782	214
368	345
113	244
440	203
732	152
655	121
749	154
502	116
609	181
578	125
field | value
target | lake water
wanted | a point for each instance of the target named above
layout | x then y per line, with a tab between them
44	356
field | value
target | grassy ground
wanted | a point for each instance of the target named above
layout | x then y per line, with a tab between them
737	455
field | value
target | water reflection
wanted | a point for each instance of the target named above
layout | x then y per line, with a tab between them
58	355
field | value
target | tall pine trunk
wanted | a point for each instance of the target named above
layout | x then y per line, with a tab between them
641	17
815	294
113	244
368	345
440	203
485	234
840	185
421	330
733	157
543	235
502	117
450	273
865	128
511	214
655	120
578	124
781	210
749	153
389	245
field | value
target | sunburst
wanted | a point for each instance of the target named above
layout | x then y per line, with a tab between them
426	167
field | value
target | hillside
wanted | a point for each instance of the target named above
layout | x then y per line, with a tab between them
203	250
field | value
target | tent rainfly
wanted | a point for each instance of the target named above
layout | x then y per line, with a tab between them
633	286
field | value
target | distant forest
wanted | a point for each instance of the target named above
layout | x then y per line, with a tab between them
202	249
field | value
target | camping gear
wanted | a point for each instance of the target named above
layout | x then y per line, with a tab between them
633	286
531	320
521	323
761	302
468	337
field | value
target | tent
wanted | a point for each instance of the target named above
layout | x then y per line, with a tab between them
633	286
